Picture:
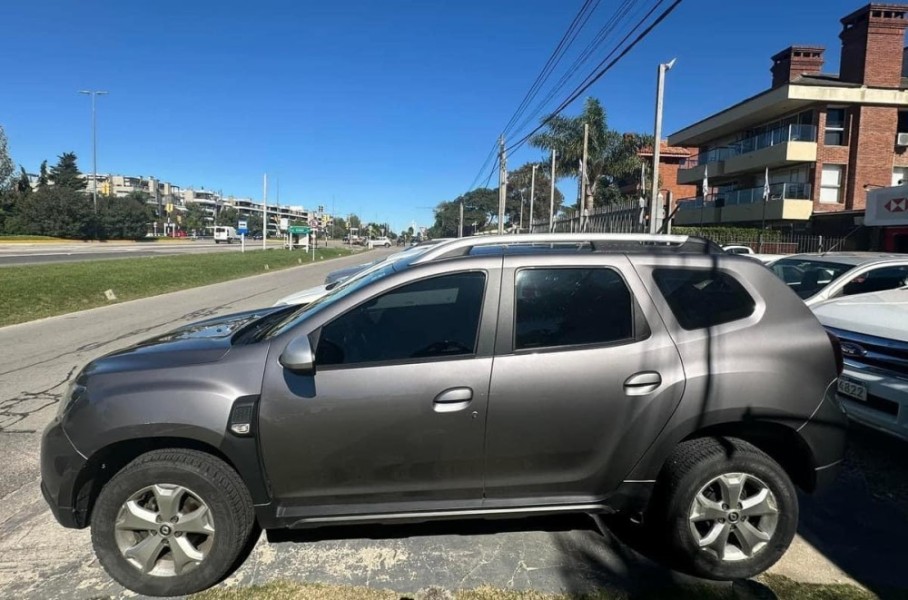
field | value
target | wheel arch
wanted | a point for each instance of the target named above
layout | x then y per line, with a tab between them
111	459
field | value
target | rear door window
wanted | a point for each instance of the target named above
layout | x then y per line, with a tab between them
701	298
571	307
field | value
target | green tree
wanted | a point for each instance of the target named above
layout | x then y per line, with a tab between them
66	173
6	164
355	222
519	186
612	156
228	216
55	211
125	218
195	218
480	208
42	174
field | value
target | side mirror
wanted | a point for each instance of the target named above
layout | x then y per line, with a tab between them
298	357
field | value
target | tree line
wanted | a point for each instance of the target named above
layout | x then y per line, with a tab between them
612	163
59	206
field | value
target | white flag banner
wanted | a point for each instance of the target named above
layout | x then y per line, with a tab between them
705	182
766	190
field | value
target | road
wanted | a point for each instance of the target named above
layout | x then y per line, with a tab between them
42	560
42	253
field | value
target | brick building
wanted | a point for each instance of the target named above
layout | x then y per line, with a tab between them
825	138
671	158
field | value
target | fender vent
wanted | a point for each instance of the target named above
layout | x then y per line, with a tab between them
241	418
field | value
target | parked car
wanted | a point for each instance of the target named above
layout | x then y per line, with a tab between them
738	249
382	241
820	277
873	329
653	376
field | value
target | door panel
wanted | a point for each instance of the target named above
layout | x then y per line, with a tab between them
373	434
567	424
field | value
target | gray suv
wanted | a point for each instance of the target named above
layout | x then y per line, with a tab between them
487	377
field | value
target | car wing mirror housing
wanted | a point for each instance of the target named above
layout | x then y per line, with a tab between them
298	356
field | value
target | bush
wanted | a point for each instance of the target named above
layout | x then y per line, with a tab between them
122	219
55	212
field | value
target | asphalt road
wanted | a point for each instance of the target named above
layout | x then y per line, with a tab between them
33	254
40	559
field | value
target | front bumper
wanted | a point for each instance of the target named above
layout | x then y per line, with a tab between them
61	466
886	408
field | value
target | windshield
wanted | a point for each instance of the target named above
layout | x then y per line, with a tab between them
807	277
342	290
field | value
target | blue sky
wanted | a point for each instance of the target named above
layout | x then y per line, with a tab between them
379	107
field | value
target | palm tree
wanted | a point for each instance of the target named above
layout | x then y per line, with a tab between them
612	155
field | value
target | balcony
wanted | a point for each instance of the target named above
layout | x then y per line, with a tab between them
787	201
775	148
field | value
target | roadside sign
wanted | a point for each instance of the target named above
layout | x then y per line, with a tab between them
299	230
285	222
241	228
887	207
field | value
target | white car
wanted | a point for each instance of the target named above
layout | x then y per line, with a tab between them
820	277
873	330
738	249
381	241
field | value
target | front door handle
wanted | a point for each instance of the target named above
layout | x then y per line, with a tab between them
452	400
641	384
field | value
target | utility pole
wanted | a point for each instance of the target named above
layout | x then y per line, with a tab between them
532	195
94	143
502	182
583	176
460	226
265	211
552	197
657	142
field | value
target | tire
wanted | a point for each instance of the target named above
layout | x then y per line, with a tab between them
217	241
216	535
708	471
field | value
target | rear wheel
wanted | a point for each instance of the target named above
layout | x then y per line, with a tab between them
172	522
726	509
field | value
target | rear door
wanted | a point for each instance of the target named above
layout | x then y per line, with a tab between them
585	377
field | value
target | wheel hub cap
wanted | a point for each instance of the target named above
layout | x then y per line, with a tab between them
164	530
733	516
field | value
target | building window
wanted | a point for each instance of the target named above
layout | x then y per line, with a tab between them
900	176
831	184
835	127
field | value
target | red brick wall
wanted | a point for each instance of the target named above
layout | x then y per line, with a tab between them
872	44
835	155
668	174
872	152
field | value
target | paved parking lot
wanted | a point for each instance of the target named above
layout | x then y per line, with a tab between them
854	533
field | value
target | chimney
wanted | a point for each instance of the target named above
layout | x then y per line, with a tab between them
873	39
791	63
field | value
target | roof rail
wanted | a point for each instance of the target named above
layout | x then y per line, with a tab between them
598	242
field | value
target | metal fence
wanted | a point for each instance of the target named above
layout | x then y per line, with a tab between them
628	217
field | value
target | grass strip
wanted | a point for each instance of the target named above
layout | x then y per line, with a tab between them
36	291
773	587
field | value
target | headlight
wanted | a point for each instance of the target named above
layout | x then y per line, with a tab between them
74	391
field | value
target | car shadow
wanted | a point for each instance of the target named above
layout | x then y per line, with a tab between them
861	523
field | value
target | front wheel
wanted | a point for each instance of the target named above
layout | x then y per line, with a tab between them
171	523
726	509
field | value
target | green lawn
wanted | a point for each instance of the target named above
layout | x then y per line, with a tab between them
37	291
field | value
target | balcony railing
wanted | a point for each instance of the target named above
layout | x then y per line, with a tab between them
773	137
777	191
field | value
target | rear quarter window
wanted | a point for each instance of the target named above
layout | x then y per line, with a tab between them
701	298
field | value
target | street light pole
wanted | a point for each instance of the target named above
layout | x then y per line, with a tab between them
657	142
532	195
94	143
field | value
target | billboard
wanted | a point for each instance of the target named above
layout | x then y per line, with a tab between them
887	207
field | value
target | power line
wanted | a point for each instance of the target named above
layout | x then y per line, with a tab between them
558	53
584	56
593	78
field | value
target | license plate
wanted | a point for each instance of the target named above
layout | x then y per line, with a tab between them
852	389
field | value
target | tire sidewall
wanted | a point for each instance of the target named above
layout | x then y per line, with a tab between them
219	559
704	563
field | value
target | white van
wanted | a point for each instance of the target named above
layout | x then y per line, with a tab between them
224	234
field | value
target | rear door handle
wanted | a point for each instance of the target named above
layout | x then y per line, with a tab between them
641	384
453	400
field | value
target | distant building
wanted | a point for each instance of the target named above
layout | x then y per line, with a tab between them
670	160
825	138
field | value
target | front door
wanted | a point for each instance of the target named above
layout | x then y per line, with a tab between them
394	414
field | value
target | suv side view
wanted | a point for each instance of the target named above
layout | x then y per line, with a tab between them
500	376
